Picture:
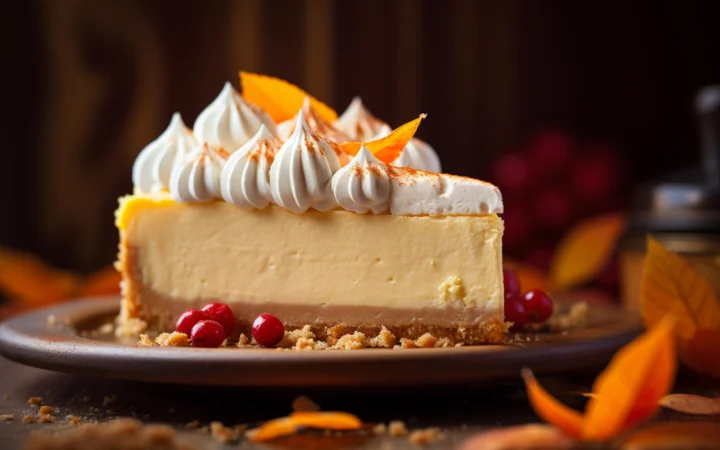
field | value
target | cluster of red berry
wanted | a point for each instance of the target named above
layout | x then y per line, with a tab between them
209	326
534	306
549	184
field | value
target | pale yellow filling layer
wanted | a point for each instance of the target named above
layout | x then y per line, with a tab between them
445	271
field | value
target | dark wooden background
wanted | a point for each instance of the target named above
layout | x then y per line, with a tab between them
86	84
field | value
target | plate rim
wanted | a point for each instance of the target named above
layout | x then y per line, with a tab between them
30	340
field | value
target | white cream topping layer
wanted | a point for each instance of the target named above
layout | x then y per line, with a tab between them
358	123
230	121
197	177
362	185
303	168
305	172
245	179
152	168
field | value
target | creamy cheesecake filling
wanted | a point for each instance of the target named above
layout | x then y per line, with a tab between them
332	267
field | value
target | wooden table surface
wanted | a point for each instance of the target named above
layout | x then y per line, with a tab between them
459	411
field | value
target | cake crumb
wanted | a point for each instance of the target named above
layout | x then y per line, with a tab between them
7	417
427	436
34	401
221	433
131	327
354	341
243	341
576	317
109	400
427	340
397	428
291	337
384	339
145	341
72	420
304	344
46	418
51	320
303	403
29	419
379	429
174	339
46	409
118	434
192	425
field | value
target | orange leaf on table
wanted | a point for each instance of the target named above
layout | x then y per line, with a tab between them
549	409
388	148
327	420
31	282
670	285
273	429
279	98
691	404
584	251
628	391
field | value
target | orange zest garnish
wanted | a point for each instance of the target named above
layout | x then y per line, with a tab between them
549	409
629	389
285	426
331	420
279	98
388	148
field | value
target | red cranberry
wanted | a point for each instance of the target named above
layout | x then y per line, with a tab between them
515	311
538	305
221	313
511	283
268	330
207	333
188	319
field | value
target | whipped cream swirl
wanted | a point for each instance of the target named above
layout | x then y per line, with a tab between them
152	168
317	124
245	179
230	121
359	123
417	154
197	177
302	171
363	184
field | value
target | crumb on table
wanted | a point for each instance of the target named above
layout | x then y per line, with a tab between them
397	428
426	436
34	401
7	417
46	409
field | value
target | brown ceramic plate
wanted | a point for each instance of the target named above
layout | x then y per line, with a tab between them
29	339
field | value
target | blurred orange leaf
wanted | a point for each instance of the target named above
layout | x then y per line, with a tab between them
624	395
528	276
279	98
284	426
585	250
691	404
629	389
522	437
29	282
549	409
388	148
675	435
671	286
32	282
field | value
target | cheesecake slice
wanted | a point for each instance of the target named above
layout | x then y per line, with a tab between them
311	234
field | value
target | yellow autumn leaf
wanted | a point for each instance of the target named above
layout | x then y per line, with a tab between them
671	286
528	276
387	149
27	279
279	98
584	251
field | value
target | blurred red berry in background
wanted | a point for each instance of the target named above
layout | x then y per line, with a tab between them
552	209
512	172
549	152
